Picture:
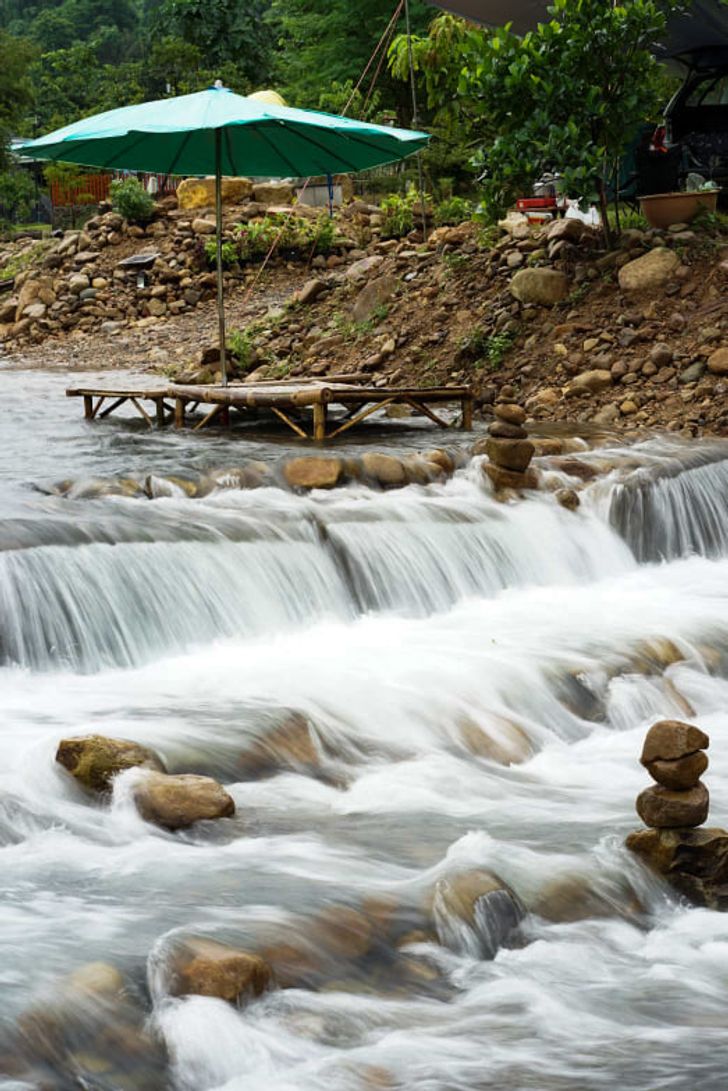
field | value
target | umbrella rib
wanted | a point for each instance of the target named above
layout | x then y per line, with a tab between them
179	153
229	147
295	173
109	163
322	147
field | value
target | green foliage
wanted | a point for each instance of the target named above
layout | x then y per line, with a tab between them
497	347
453	210
131	200
297	234
484	348
17	193
344	98
398	214
23	261
230	255
241	347
223	31
321	42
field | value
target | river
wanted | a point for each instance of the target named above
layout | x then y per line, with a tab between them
389	621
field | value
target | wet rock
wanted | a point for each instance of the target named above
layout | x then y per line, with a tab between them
514	454
384	470
94	760
373	295
718	362
204	967
501	740
475	911
680	774
499	429
510	413
442	459
668	740
503	479
694	862
542	286
568	498
313	473
662	808
290	745
650	271
176	802
571	898
343	932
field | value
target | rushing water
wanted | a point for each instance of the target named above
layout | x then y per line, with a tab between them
398	625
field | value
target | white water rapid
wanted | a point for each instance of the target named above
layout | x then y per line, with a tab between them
406	627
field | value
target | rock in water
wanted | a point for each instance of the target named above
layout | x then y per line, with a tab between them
95	760
475	912
680	774
694	862
672	739
664	809
207	968
176	802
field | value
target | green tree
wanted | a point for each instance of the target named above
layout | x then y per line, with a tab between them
17	193
226	32
16	88
323	42
568	96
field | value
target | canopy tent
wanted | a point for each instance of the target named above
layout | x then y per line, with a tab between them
221	133
705	26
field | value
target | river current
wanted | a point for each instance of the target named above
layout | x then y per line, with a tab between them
397	624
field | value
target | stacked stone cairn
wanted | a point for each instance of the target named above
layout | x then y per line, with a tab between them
694	861
674	756
508	447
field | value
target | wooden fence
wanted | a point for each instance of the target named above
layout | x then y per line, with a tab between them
94	188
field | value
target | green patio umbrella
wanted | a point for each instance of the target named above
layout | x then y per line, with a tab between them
221	133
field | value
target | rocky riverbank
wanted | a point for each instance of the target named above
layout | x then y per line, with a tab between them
633	339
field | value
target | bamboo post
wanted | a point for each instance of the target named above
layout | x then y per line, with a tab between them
179	413
467	421
88	407
159	406
319	421
218	239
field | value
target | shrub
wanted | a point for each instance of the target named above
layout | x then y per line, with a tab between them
131	200
453	211
398	214
291	233
229	252
241	346
17	192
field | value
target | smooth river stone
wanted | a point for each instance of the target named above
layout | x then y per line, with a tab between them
680	774
176	802
511	454
502	430
664	809
671	739
511	414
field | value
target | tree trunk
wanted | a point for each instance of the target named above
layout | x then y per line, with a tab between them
604	209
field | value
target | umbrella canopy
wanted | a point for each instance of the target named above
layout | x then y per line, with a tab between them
218	132
178	136
705	24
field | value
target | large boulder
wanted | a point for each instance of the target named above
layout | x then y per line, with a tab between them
694	862
291	744
273	193
313	473
373	295
200	192
94	760
543	286
384	470
205	967
511	454
650	271
176	802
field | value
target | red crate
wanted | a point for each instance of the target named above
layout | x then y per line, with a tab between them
529	204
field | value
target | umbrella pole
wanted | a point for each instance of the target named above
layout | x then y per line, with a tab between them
218	232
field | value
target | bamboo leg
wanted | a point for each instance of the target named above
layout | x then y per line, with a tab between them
319	421
209	418
422	408
110	408
142	411
467	421
159	407
225	415
179	413
96	408
88	407
360	416
291	424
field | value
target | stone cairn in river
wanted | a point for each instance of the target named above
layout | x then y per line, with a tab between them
508	447
694	861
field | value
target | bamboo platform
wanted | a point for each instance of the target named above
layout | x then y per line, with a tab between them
303	406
